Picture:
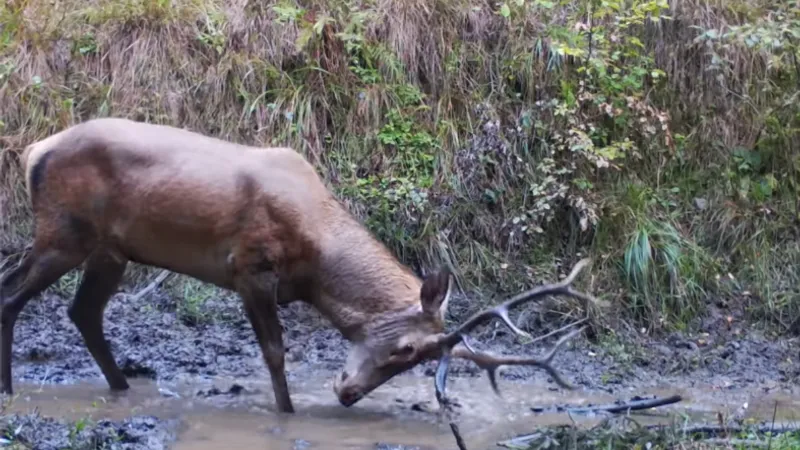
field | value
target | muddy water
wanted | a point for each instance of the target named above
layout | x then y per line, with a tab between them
149	340
400	415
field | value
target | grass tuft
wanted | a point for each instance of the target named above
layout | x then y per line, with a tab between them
627	433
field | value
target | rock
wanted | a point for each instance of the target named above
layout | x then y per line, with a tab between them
385	446
700	203
301	444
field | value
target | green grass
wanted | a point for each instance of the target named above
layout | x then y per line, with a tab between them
667	273
194	295
503	141
624	433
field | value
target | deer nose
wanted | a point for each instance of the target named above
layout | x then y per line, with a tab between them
349	397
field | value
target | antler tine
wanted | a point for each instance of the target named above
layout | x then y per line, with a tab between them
440	379
501	311
490	362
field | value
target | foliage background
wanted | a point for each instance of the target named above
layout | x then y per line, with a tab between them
505	139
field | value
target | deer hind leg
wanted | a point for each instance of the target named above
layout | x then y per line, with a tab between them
261	307
38	270
101	277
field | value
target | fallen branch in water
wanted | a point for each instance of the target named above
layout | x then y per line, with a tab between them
635	405
457	434
150	287
444	403
519	442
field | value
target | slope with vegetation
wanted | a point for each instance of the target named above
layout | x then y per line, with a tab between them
504	138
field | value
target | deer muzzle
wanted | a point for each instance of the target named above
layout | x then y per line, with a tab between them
349	397
348	393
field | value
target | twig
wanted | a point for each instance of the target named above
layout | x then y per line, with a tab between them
44	378
774	414
794	59
631	406
150	287
746	443
554	332
589	53
11	256
457	434
519	442
444	403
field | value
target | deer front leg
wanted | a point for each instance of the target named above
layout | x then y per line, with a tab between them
261	307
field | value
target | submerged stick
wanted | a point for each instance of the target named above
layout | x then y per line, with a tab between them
457	434
444	404
630	406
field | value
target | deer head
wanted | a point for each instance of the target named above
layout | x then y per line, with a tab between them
396	341
400	341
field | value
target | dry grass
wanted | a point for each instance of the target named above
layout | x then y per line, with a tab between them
254	73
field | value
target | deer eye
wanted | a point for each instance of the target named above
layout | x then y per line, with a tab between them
404	350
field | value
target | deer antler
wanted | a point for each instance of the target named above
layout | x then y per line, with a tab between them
490	362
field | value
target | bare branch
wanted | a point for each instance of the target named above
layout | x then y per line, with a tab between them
457	434
626	407
555	332
150	287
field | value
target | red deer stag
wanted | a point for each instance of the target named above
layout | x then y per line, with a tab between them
257	221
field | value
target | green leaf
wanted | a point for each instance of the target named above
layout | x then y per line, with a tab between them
505	11
303	38
319	25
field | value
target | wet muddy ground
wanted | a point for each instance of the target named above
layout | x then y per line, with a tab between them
203	383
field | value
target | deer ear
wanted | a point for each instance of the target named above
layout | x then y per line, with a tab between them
435	293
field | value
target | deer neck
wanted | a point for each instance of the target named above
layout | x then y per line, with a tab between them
362	282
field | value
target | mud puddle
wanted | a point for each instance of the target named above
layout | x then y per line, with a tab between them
230	413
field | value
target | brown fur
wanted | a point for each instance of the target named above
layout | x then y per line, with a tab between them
256	220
